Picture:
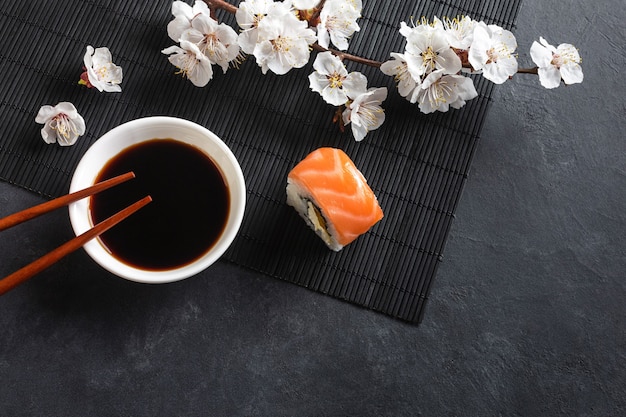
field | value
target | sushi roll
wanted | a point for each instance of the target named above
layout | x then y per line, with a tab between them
332	196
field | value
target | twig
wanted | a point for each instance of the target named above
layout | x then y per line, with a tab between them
528	70
220	4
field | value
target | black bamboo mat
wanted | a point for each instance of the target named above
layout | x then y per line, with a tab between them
416	164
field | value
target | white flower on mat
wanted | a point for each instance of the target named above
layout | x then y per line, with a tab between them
62	123
398	69
365	112
191	62
493	52
439	92
428	50
250	13
332	81
217	41
459	31
557	63
283	43
100	71
338	22
183	16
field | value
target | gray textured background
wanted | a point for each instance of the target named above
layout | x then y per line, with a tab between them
527	314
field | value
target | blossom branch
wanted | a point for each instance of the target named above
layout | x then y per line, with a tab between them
430	72
215	5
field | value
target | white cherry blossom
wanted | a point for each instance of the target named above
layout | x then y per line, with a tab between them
439	92
250	13
62	123
398	69
428	50
459	31
365	112
183	15
419	26
101	72
338	22
557	63
191	62
332	81
493	52
217	41
283	43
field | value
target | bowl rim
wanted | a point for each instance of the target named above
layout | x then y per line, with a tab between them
141	130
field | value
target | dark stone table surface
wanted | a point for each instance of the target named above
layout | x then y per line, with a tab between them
527	315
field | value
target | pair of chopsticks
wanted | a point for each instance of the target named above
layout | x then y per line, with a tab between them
18	277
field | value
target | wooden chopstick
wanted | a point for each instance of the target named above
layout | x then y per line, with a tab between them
40	209
68	247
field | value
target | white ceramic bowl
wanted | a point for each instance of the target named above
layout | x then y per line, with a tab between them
140	130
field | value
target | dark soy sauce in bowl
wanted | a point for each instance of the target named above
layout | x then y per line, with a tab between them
188	213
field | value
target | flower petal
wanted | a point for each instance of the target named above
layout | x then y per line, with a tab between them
359	132
180	8
67	108
326	63
202	73
355	84
305	4
177	26
48	134
317	82
102	56
334	96
449	61
549	76
500	72
192	35
572	73
540	55
45	113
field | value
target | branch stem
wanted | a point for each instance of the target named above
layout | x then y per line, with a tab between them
220	4
528	70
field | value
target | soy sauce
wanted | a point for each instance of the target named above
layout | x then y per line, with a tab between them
188	212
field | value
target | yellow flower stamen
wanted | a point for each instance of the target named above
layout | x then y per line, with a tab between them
429	56
281	44
63	126
335	80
